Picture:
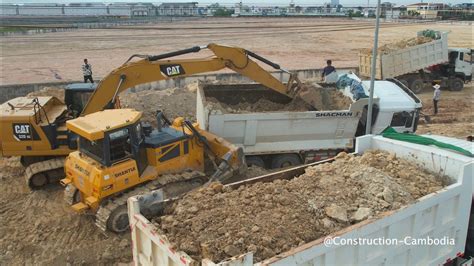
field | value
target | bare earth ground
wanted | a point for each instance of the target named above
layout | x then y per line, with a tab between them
38	228
455	116
292	42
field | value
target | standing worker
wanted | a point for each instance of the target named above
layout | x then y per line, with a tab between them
87	71
436	96
328	69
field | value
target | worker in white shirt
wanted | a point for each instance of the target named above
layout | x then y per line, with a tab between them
436	96
87	71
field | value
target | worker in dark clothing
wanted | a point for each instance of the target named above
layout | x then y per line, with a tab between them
436	96
87	71
328	69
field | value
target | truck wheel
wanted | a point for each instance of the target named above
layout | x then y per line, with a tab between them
417	86
285	160
118	220
255	160
456	84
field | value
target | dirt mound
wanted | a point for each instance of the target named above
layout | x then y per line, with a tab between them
49	91
173	102
38	228
327	99
399	45
269	218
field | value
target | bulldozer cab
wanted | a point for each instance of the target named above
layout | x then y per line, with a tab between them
109	138
76	96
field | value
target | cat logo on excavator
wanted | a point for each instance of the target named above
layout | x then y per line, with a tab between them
172	70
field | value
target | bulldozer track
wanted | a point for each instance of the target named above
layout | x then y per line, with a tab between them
105	210
45	167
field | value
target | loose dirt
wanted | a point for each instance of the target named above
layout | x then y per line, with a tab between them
455	116
326	99
268	218
399	45
38	228
174	102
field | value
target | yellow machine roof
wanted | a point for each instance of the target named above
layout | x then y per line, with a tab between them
93	126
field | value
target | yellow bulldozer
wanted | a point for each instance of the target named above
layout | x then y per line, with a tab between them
119	157
35	128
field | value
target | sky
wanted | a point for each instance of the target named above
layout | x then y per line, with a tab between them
251	2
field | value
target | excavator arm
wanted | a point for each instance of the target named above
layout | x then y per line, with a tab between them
159	67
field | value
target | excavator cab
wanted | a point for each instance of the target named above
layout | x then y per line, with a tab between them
77	95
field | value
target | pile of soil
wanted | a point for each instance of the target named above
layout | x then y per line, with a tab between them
329	99
174	102
218	222
402	44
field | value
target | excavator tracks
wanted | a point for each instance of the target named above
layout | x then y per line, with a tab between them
112	214
42	173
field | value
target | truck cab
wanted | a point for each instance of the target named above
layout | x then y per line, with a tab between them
461	58
395	105
398	106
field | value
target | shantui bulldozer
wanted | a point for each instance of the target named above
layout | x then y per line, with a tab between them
34	128
120	157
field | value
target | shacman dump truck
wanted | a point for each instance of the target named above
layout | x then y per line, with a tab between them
281	139
420	64
444	213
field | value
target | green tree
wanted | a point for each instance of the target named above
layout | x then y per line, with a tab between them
223	12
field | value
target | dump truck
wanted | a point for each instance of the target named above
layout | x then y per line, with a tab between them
281	138
424	63
444	213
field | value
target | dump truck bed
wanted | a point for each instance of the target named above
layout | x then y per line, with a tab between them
444	213
273	132
407	60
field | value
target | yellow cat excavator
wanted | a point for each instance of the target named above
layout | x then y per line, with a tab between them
34	128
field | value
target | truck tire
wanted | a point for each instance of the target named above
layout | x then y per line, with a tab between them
285	160
456	84
417	85
255	160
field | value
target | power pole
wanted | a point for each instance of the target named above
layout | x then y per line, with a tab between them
368	129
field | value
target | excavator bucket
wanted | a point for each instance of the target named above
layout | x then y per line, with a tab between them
310	94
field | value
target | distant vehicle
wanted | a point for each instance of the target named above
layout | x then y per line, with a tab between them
418	65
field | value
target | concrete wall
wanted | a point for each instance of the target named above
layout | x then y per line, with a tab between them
8	92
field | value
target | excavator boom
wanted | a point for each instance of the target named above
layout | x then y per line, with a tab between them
155	68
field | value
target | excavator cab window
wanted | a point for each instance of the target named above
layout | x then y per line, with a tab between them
77	95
